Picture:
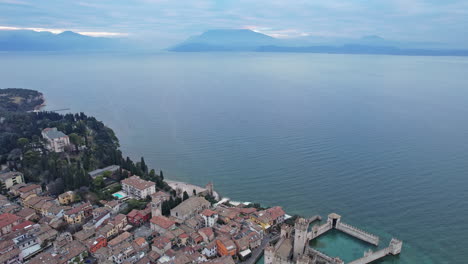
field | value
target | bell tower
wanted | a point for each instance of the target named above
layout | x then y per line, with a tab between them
300	237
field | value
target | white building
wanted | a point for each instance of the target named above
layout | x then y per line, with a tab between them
210	250
210	217
138	188
56	140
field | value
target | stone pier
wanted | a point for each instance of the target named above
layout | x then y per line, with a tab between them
358	233
334	221
369	256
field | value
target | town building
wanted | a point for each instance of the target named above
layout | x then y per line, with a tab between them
226	247
66	198
190	207
161	245
7	221
139	217
94	244
57	141
11	178
210	217
157	200
162	224
138	188
78	214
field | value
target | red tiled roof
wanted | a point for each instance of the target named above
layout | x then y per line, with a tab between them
133	213
275	212
208	212
248	210
22	225
162	221
140	241
208	231
161	242
8	219
160	194
29	188
183	235
78	209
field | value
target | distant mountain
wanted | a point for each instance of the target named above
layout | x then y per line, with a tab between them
226	40
363	49
247	40
28	40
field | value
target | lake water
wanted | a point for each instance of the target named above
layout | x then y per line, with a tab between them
381	140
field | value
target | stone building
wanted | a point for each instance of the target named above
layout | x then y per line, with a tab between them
190	207
157	200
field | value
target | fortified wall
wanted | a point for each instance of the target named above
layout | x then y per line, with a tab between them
294	249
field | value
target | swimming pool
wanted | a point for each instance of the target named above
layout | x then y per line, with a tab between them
119	195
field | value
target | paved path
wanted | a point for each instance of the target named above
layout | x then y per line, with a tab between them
258	252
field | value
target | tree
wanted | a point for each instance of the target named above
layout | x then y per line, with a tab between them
22	142
98	183
194	192
185	196
143	166
166	208
106	174
76	140
161	175
152	175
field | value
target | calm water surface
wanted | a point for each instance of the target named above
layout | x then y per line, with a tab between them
381	140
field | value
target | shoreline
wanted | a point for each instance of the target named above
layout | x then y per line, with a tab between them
42	105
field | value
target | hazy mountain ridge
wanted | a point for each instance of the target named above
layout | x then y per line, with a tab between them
28	40
247	40
223	40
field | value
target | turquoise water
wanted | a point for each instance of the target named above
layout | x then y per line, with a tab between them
381	140
338	244
118	195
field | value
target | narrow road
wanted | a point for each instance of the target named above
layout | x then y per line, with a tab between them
258	252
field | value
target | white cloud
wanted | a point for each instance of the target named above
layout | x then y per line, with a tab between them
60	30
278	33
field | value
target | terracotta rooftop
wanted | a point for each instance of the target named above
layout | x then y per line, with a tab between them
29	188
140	241
78	209
22	225
160	242
208	231
138	183
119	239
161	195
162	221
25	212
8	219
208	212
275	212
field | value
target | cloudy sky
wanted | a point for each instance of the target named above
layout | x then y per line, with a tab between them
168	21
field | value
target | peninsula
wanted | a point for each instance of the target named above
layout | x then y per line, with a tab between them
68	195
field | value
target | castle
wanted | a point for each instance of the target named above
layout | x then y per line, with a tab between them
293	244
